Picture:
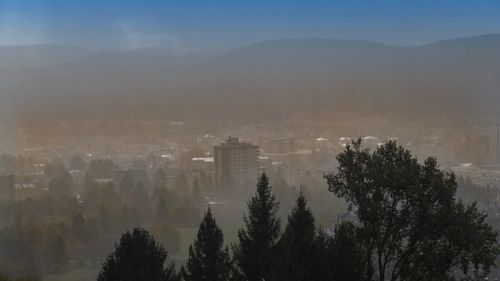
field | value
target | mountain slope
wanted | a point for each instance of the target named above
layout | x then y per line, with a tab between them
305	76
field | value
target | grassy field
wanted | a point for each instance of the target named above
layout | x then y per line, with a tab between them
79	274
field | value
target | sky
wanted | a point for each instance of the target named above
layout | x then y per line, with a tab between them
211	24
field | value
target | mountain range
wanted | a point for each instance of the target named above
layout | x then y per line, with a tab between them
264	80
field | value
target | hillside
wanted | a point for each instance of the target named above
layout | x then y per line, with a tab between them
458	76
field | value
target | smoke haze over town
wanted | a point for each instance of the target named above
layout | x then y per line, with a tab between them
298	134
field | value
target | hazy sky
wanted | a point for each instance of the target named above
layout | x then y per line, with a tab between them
206	24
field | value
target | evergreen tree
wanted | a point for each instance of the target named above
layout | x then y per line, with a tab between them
160	179
77	163
105	220
170	196
205	182
88	181
137	257
181	184
346	255
78	228
208	260
187	214
162	214
61	186
255	253
141	197
56	250
168	236
109	195
196	192
102	168
127	188
5	278
296	247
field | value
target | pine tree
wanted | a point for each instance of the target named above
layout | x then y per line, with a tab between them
162	214
56	250
181	184
137	257
208	260
255	253
160	179
196	192
346	254
141	196
62	186
297	245
78	227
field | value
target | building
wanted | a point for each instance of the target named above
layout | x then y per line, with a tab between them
236	164
281	146
7	187
205	164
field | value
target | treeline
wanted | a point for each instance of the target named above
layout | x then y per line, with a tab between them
470	191
72	226
5	278
406	224
61	231
301	252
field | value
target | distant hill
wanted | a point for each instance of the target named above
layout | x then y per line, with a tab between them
39	56
458	76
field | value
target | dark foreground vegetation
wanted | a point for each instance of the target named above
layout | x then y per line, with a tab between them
404	223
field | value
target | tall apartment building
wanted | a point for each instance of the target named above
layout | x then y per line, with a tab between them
236	164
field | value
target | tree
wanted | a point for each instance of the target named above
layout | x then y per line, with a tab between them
54	169
208	260
168	236
101	168
56	250
137	257
170	196
345	253
181	184
61	186
78	228
296	247
206	182
8	164
410	225
127	188
162	214
5	278
255	253
141	196
105	219
89	180
187	214
77	163
109	195
160	179
196	192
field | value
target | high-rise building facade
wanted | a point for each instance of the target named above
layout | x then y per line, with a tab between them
236	164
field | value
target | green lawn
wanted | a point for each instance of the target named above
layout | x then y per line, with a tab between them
86	273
